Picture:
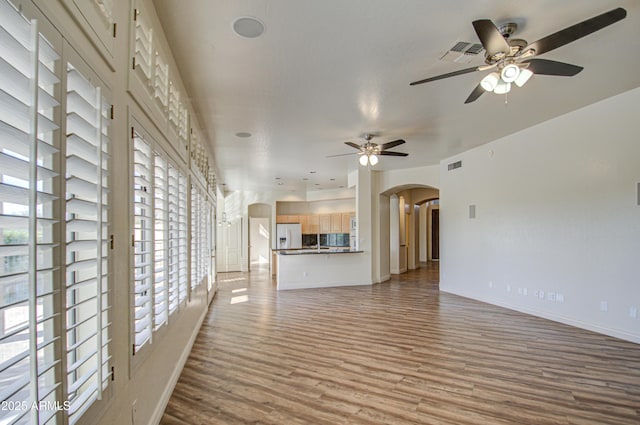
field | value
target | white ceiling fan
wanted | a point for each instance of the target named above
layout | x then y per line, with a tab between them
369	151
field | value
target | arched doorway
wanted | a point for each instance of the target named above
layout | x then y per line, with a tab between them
410	222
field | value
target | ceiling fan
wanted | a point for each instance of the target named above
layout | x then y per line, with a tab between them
511	58
370	151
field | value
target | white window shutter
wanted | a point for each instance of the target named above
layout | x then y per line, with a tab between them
182	239
160	242
28	366
143	242
87	242
144	50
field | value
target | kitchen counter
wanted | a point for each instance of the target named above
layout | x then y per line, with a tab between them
308	268
315	251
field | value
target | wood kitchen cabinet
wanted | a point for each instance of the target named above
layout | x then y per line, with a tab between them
336	223
310	224
346	222
287	219
325	223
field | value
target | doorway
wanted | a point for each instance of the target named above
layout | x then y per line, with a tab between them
435	234
259	238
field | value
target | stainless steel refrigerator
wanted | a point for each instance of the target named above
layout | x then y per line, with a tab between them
288	236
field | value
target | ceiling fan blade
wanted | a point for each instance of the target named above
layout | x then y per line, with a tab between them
491	39
475	94
576	31
344	154
549	67
353	145
450	74
390	145
387	153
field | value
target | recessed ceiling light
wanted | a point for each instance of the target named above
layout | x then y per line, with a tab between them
280	184
248	27
243	134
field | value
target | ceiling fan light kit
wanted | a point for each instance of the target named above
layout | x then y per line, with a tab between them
524	76
490	82
509	73
513	58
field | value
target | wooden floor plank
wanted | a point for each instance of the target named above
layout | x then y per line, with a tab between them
400	352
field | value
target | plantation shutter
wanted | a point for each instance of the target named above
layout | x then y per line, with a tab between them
144	51
195	204
143	242
28	81
87	240
173	239
182	238
160	257
161	81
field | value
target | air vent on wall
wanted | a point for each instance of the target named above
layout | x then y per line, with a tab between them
462	52
454	165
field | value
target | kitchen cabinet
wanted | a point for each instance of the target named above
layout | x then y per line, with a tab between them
287	219
336	223
346	222
310	224
325	223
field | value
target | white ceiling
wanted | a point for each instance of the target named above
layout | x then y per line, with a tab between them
325	72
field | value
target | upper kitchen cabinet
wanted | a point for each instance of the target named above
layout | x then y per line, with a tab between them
325	223
336	223
346	222
310	224
287	219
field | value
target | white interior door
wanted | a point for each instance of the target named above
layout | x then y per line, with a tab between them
231	241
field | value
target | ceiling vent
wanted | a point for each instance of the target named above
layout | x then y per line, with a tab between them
462	52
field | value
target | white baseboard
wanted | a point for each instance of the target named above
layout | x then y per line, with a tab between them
554	317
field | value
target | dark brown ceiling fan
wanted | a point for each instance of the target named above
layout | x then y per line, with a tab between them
370	151
511	58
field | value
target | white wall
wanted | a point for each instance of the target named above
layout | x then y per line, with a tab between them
557	211
260	239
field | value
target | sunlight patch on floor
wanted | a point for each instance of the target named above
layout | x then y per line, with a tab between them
239	299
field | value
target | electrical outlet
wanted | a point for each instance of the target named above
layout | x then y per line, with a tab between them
633	312
519	291
305	274
551	296
604	306
541	295
525	291
537	293
559	298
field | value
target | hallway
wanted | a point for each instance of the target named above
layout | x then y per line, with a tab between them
399	352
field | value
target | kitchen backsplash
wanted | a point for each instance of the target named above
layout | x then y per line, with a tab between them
326	239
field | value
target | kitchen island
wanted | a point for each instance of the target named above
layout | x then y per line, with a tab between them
313	268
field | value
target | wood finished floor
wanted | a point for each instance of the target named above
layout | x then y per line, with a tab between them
400	352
